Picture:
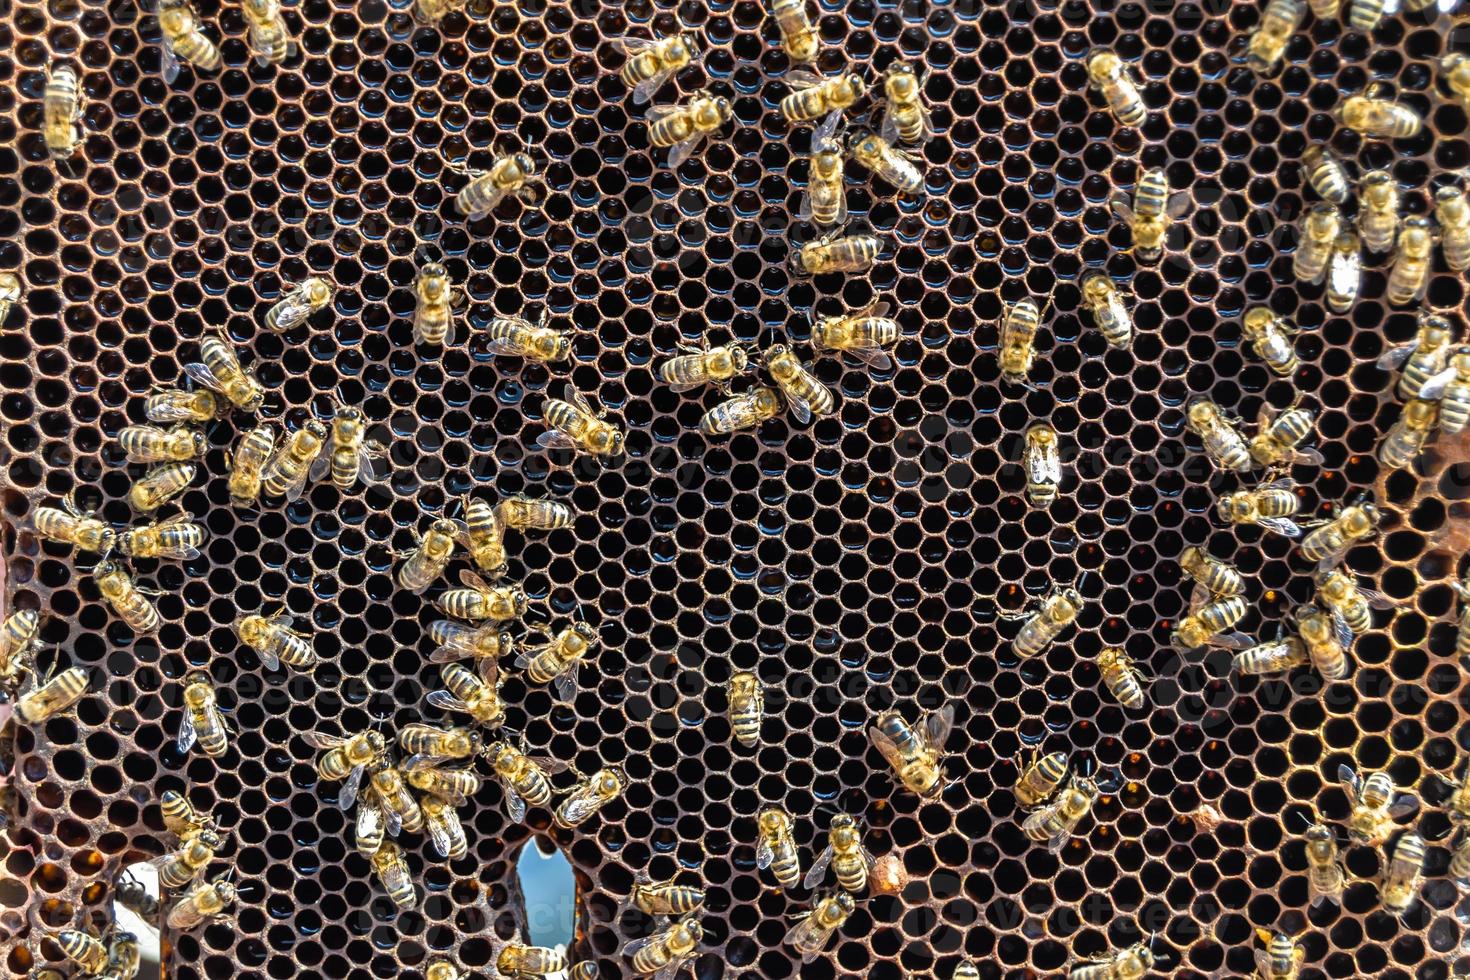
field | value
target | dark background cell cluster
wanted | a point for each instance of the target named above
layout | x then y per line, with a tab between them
856	563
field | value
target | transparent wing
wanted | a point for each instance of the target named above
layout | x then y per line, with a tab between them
1058	842
547	764
889	129
1229	641
937	726
872	356
203	375
369	826
174	413
580	809
763	854
370	465
439	836
1198	597
169	62
1349	777
802	79
1403	805
1307	457
1375	599
268	657
294	491
657	112
804	934
471	580
1340	630
564	685
1285	483
631	45
348	795
1178	204
393	820
633	947
446	701
555	439
294	308
319	740
495	196
504	345
886	747
419	761
451	652
321	464
826	129
683	151
187	733
645	89
1121	207
819	869
1434	388
1394	357
1263	963
515	807
1281	525
800	407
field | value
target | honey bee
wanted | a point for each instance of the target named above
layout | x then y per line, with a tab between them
1212	577
1057	611
40	701
1378	216
1270	337
392	870
1455	67
905	116
556	662
9	293
1225	446
1452	209
132	894
429	13
482	534
574	425
862	334
1104	301
1326	874
1344	273
836	252
350	456
1407	438
1209	625
443	970
665	952
1042	461
181	818
1153	211
270	38
1374	805
191	860
451	785
183	40
1041	777
1268	41
1270	505
524	962
590	794
824	202
74	526
218	369
388	792
176	537
434	302
1327	640
429	557
799	39
1132	963
480	600
130	602
897	167
845	852
804	393
85	949
1118	85
744	411
1282	958
286	472
1327	544
1408	278
206	900
1122	677
430	745
524	779
915	753
814	97
61	111
1459	868
17	637
1271	658
476	696
1321	227
150	444
661	899
1381	118
516	337
348	759
967	970
274	641
161	484
202	721
1018	341
371	825
776	848
1403	875
175	405
124	956
443	828
1422	358
485	645
1276	441
681	128
298	302
814	930
704	365
512	174
1364	15
651	63
1055	822
524	513
1326	173
747	701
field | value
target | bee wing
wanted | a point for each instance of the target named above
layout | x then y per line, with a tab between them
421	760
800	407
451	652
1226	641
645	89
268	658
637	944
1403	805
369	824
320	740
350	785
565	684
470	580
446	701
889	129
1263	963
1178	204
294	307
1198	597
657	112
1349	777
819	869
580	809
1335	556
1340	630
461	533
493	199
370	468
937	726
763	854
187	733
1281	525
1433	389
173	413
393	821
631	45
1376	599
826	129
1395	356
548	765
1307	457
503	345
169	62
440	838
203	375
886	748
872	356
1121	207
515	807
1058	842
683	151
802	79
555	439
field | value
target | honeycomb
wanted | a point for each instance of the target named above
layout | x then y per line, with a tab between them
863	561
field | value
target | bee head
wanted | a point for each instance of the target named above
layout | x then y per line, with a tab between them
614	443
524	162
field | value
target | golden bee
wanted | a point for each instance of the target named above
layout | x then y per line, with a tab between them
845	854
1122	677
513	336
1212	577
1103	299
966	970
192	859
475	695
1057	821
524	779
348	759
275	642
1042	461
247	464
429	13
442	970
130	602
161	484
429	557
863	334
85	949
1282	958
524	962
206	900
177	537
480	600
1422	358
591	794
1278	436
175	405
74	526
1372	115
776	847
181	818
1057	611
525	513
270	38
665	952
1209	625
799	38
1271	658
1408	277
815	97
513	174
815	929
1326	545
1459	868
1344	272
915	753
824	202
651	63
1133	963
17	638
1268	41
1326	874
1364	15
61	106
286	472
1041	777
445	832
1223	443
485	645
806	395
1455	68
434	301
40	701
1154	210
905	116
1375	805
183	39
747	701
1118	85
681	128
430	745
1403	875
349	456
124	956
1018	341
661	899
1327	640
836	251
556	662
388	792
744	411
1341	594
886	161
298	303
1452	211
1378	213
704	365
9	293
1270	505
392	870
1321	227
218	369
202	721
1327	174
574	425
1410	434
454	786
482	534
151	444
